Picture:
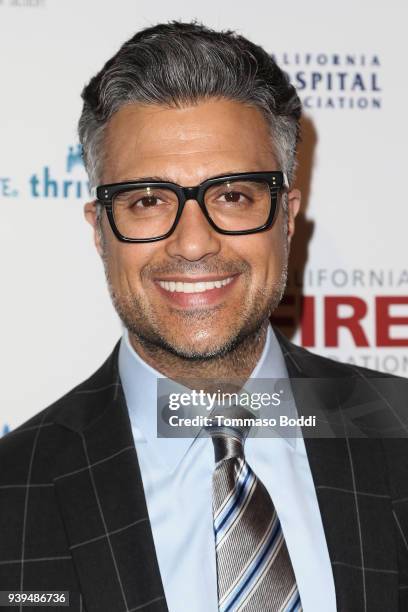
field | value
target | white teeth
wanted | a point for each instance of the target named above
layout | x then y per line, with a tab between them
193	287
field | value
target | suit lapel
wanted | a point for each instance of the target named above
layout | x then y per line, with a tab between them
101	497
339	468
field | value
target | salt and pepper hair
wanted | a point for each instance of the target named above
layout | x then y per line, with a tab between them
179	64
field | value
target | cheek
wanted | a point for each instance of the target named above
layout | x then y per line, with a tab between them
268	258
124	263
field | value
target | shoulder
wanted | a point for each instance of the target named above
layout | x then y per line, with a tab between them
370	403
48	426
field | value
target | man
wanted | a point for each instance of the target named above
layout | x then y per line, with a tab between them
93	502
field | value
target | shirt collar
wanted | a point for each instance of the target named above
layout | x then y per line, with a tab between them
139	381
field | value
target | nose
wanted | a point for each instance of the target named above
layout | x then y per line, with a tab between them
194	238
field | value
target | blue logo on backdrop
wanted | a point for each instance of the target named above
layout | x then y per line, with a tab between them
45	184
6	429
334	81
74	158
49	183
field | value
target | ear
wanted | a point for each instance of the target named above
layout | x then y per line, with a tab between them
294	199
91	216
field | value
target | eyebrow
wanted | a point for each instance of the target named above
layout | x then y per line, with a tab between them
146	179
167	179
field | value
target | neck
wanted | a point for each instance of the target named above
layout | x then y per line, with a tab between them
237	363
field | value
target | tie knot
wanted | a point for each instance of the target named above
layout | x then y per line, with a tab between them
228	431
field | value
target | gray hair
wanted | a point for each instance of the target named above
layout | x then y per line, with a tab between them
177	64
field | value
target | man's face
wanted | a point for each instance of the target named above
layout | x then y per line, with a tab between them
187	146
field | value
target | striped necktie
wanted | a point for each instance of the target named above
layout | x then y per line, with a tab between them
254	571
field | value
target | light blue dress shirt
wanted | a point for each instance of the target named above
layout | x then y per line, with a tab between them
177	479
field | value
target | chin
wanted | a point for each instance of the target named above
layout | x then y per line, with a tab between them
198	347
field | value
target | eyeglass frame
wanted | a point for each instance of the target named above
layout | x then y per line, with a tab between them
276	179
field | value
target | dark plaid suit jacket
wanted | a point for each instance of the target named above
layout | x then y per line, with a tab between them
73	515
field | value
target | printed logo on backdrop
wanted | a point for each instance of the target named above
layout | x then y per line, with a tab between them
23	3
358	316
334	80
69	181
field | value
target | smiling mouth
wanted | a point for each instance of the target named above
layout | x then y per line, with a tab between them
195	287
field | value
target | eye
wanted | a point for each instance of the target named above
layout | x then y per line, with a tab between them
143	199
146	202
234	196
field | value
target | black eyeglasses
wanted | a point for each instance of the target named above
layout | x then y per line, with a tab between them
233	204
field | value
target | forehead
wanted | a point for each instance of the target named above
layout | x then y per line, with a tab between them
196	142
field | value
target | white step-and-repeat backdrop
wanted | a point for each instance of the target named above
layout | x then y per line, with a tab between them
347	291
